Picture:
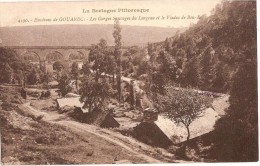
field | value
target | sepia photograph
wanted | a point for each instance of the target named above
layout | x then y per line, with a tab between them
128	82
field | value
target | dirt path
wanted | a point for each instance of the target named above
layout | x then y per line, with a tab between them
132	146
82	129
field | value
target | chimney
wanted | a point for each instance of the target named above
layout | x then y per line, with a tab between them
150	115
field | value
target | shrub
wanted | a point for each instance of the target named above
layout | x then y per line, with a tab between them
48	93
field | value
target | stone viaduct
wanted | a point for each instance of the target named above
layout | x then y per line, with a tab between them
43	55
50	53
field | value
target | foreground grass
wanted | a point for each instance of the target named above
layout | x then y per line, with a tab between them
44	143
26	140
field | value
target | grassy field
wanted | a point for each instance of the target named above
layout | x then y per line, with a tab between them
26	140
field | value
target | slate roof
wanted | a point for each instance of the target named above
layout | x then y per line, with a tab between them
72	102
103	118
198	127
71	95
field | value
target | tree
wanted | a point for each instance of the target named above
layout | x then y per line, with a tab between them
151	53
168	66
101	57
64	85
167	44
127	65
94	94
182	106
86	69
221	82
75	73
208	74
46	78
191	75
58	66
33	77
118	44
158	81
132	95
239	128
23	93
110	65
143	68
19	76
11	65
6	74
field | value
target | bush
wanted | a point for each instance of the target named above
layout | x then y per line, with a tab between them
45	94
48	93
173	149
7	106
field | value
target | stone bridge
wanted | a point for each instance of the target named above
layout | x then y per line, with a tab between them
43	55
51	53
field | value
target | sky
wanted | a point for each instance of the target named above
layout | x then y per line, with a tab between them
163	13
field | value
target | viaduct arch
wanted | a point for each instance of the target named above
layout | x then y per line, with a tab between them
50	54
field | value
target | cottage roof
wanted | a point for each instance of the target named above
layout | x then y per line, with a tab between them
103	118
99	116
72	102
71	95
150	110
198	127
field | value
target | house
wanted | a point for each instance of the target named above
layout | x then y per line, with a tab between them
69	95
158	130
97	117
72	101
178	132
102	118
149	132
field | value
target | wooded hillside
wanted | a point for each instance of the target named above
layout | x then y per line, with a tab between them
209	53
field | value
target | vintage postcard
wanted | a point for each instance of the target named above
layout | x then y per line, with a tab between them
128	82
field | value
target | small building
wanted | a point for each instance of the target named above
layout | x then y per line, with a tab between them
149	132
159	130
102	118
69	95
71	101
96	117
